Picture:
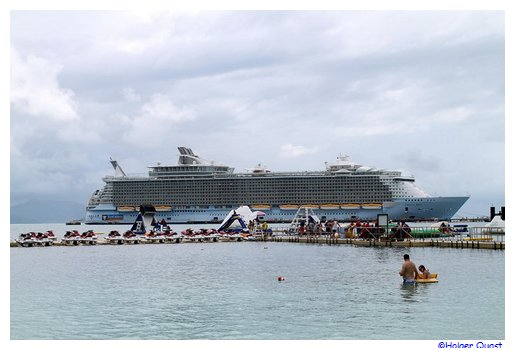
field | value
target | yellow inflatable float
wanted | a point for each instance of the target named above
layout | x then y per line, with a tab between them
433	278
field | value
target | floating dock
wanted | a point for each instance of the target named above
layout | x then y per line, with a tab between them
433	242
385	243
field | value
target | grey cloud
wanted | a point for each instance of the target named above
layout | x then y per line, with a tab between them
375	85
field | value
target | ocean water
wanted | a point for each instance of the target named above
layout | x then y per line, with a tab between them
230	291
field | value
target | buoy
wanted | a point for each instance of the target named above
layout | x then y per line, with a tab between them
280	278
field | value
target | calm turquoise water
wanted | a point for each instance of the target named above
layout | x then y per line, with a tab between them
230	291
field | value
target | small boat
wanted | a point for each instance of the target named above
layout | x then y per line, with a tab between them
259	170
433	278
201	235
50	234
427	232
73	222
172	236
191	235
155	237
27	240
89	237
230	235
161	230
44	239
71	238
209	234
251	236
442	226
114	237
33	239
460	229
131	237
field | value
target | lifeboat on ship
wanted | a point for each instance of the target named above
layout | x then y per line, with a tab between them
329	206
163	207
126	208
372	206
289	207
261	207
350	206
310	206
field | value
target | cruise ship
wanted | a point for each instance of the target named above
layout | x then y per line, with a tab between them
199	191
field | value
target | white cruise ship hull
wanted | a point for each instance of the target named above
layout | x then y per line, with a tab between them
410	209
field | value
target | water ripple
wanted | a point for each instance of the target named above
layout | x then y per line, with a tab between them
230	291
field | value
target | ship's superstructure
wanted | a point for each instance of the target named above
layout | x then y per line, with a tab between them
197	190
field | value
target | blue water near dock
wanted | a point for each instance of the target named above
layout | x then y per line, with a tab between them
230	291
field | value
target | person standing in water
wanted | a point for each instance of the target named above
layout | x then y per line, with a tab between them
408	270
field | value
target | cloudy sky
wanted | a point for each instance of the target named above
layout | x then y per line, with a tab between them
422	92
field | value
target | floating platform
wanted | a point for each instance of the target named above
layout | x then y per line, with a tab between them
461	244
386	243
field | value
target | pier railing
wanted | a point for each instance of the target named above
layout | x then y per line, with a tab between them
496	234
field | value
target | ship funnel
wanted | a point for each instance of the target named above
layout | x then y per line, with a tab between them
117	168
187	157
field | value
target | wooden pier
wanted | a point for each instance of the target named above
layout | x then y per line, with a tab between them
432	242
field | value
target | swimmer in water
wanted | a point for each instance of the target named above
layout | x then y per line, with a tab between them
408	270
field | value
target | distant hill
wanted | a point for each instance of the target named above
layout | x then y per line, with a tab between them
46	211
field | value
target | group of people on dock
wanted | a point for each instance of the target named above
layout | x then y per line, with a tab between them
313	228
259	227
356	229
